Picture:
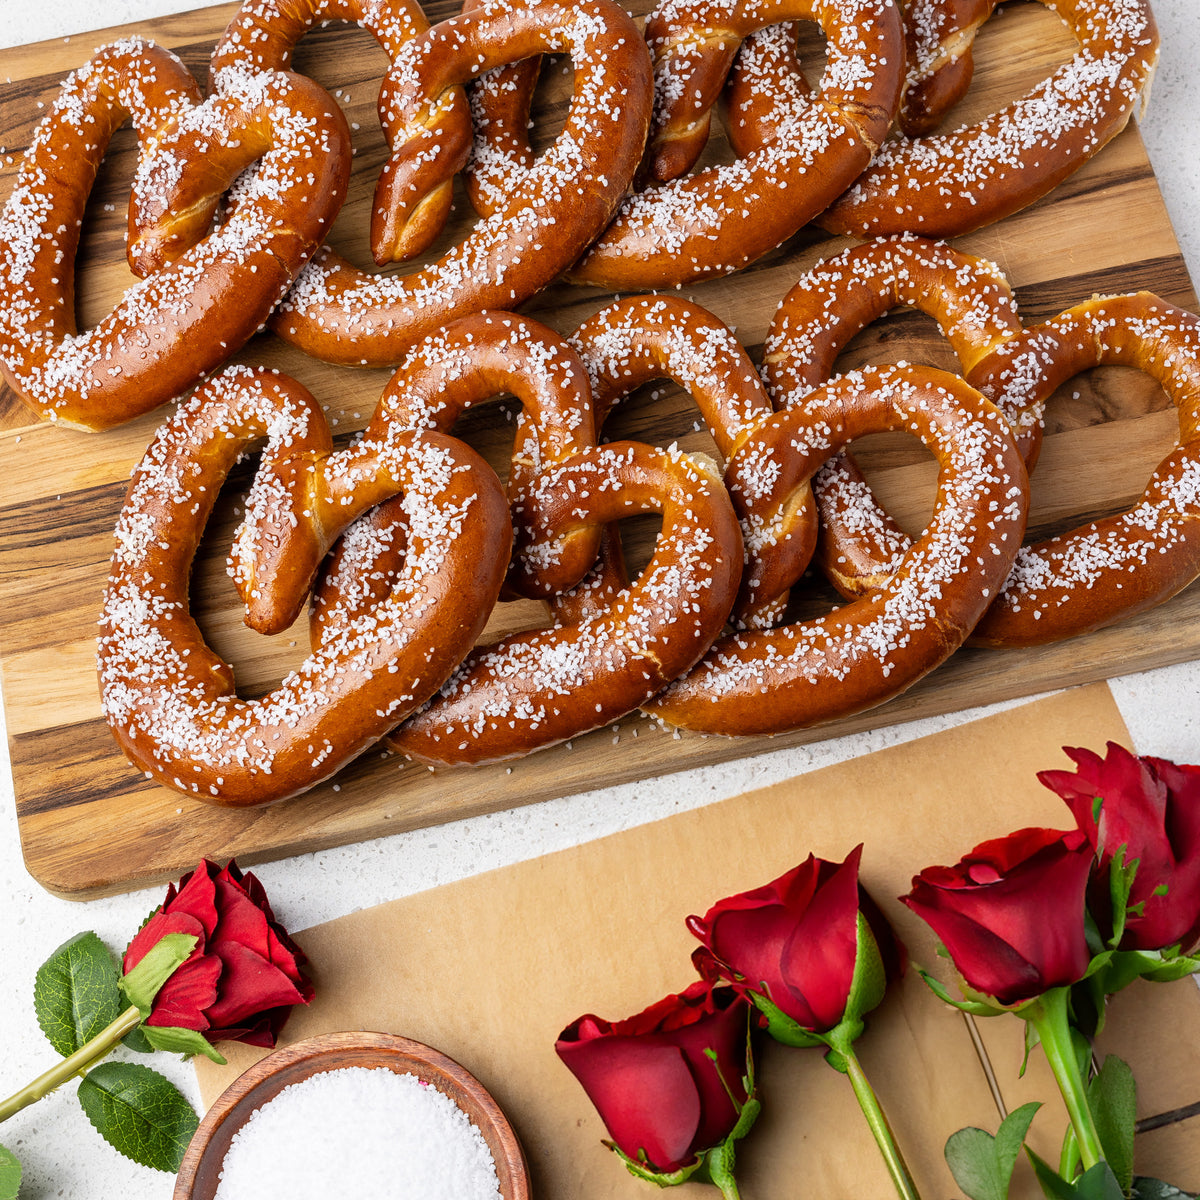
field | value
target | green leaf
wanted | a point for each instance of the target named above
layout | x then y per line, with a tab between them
10	1175
1098	1183
1112	1097
138	1112
1145	1188
75	993
135	1039
161	961
180	1041
982	1165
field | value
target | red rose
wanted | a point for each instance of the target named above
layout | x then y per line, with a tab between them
242	978
1011	913
670	1082
795	940
1151	808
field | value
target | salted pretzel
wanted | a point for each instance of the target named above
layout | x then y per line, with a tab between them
636	340
795	676
1105	570
971	301
262	35
341	315
171	701
948	184
719	219
494	353
205	293
938	37
536	689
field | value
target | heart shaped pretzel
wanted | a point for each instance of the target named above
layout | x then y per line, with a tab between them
205	293
796	676
261	36
342	315
721	218
171	701
971	301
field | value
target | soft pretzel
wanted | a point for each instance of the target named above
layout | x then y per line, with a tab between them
938	36
535	689
171	701
342	315
948	184
795	676
642	338
719	219
486	355
972	303
262	35
205	295
1105	570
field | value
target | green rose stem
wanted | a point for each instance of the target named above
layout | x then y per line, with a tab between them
877	1121
76	1064
1048	1016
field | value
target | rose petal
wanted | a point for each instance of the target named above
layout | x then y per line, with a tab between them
249	985
190	990
155	929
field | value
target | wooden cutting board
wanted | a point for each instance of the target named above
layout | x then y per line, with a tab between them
91	824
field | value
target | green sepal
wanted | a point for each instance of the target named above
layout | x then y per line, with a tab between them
781	1027
1173	966
180	1041
75	993
1120	887
1145	1188
1112	1098
1098	1183
138	1112
10	1174
982	1165
160	962
869	984
978	1008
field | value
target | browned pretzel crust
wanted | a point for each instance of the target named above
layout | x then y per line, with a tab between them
719	219
972	303
208	292
339	314
770	681
1105	570
262	35
171	701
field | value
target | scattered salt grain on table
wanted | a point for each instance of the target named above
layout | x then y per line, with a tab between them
361	1132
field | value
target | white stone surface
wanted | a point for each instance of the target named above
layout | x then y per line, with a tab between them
63	1157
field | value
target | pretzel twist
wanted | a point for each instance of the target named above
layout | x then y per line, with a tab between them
171	700
1105	570
262	35
342	315
636	340
949	184
769	681
208	292
719	219
938	36
860	543
536	689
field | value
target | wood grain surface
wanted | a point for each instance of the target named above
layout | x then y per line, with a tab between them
91	824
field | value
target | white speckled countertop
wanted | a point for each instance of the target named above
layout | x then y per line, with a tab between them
62	1156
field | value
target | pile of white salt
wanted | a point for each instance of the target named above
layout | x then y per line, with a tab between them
369	1133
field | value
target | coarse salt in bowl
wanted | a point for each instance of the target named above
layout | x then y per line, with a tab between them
368	1115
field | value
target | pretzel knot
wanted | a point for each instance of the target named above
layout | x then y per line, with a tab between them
719	219
795	676
539	688
948	184
636	340
342	315
1105	570
171	700
206	293
860	543
262	35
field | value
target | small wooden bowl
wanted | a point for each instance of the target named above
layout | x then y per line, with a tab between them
200	1172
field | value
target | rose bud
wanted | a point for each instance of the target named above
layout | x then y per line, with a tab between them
673	1084
1011	914
1149	809
811	949
243	976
